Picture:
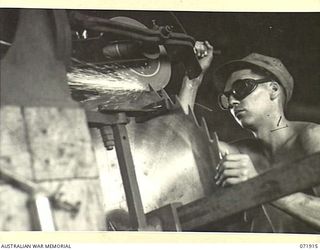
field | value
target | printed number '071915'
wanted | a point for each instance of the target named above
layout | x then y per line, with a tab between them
309	246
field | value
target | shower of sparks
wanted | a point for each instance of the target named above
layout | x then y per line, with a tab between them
103	79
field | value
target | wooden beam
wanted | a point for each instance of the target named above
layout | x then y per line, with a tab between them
264	188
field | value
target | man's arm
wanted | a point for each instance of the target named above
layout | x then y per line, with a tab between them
188	92
235	168
302	206
310	139
189	88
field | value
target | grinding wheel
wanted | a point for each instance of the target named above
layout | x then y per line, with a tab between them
151	68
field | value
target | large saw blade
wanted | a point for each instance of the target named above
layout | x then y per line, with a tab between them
172	159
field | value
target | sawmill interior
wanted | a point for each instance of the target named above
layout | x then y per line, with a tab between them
93	135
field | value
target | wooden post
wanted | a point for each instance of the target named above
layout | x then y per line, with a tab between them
52	147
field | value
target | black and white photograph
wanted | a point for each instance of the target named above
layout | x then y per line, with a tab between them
161	121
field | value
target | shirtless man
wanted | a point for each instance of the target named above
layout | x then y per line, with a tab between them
256	90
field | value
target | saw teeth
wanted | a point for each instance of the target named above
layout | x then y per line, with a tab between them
167	98
212	142
151	89
165	95
204	127
193	116
177	104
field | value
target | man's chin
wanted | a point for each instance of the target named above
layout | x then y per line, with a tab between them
245	123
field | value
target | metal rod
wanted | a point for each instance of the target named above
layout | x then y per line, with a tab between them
18	181
38	203
130	183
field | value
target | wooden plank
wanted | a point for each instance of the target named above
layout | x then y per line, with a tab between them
42	145
14	157
266	187
60	143
14	152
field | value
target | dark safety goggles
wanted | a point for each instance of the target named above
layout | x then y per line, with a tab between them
240	89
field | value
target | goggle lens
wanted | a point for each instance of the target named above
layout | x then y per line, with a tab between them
240	90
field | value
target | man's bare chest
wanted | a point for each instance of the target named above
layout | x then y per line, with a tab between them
263	159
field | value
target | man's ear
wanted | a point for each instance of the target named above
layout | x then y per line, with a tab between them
275	90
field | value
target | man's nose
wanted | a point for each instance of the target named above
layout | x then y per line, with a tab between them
233	101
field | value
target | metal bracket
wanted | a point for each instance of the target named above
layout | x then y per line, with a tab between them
165	218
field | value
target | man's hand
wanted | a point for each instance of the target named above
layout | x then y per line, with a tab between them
233	169
189	88
204	52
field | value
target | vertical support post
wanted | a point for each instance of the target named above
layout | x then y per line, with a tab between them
41	213
129	178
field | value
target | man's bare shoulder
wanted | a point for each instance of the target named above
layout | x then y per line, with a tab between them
309	136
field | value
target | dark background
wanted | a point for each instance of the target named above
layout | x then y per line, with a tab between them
294	38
